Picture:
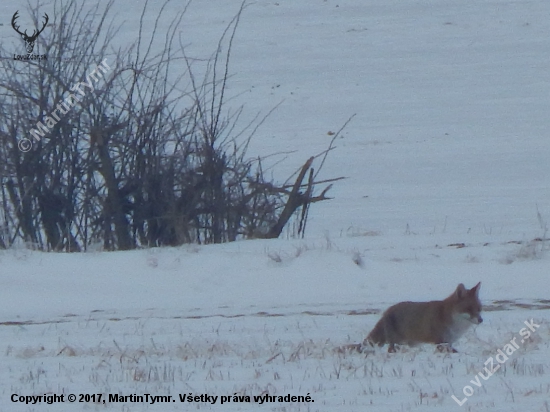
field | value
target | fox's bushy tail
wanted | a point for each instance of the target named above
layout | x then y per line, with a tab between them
377	336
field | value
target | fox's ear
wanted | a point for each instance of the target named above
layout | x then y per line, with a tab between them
475	289
460	291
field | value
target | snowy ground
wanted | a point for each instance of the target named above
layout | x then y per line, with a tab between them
447	166
269	317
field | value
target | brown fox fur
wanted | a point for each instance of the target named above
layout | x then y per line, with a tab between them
440	322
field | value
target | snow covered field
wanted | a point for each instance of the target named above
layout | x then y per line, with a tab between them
448	171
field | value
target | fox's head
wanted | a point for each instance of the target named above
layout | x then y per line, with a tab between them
467	304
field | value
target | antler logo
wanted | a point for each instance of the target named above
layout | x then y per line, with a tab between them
29	40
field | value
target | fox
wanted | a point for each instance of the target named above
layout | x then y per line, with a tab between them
440	322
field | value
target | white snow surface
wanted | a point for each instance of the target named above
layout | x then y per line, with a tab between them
447	166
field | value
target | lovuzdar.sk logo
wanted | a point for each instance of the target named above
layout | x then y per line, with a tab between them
29	40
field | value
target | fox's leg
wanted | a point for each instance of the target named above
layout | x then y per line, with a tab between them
391	349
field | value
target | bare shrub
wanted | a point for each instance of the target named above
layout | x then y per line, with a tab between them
149	156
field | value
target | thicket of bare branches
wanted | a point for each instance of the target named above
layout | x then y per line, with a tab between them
146	155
